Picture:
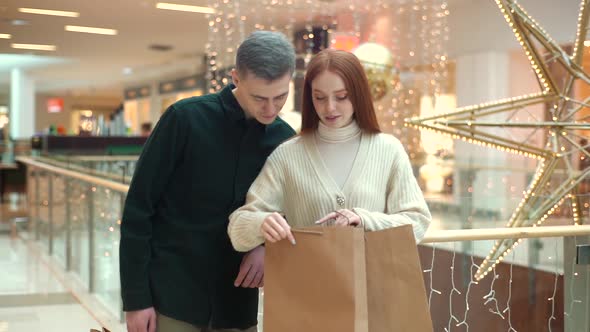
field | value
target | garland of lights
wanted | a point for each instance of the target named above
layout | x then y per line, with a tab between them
299	20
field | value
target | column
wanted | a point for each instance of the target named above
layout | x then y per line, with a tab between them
22	105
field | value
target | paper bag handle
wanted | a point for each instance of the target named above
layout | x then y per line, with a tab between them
307	231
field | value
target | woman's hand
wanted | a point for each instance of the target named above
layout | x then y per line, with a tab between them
343	217
275	228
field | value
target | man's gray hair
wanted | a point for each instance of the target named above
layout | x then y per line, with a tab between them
267	55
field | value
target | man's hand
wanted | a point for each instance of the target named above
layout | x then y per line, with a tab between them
252	269
141	320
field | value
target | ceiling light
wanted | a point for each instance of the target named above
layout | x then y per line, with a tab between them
185	8
37	47
19	22
5	36
48	12
100	31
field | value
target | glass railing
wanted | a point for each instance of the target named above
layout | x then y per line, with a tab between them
115	168
541	284
76	219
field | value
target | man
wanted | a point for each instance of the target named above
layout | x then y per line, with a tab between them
179	271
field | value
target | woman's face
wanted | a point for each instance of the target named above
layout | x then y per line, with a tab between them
331	101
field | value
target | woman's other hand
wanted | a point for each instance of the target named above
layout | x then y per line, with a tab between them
343	217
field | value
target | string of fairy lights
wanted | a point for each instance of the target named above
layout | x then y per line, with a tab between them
453	320
471	284
498	298
311	21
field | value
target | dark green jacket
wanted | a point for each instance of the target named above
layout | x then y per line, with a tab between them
194	171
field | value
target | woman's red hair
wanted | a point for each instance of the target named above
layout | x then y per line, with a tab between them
348	67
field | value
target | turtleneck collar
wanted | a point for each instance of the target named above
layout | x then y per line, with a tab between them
338	135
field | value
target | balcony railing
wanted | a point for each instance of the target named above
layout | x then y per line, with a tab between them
542	285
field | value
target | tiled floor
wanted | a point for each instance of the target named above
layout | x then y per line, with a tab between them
46	318
31	296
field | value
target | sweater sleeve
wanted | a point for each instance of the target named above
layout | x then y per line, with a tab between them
405	203
264	197
154	169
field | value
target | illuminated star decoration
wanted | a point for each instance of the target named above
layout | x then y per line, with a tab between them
556	177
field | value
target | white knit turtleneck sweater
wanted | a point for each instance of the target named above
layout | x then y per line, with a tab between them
299	181
338	149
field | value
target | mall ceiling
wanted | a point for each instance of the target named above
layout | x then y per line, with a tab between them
92	62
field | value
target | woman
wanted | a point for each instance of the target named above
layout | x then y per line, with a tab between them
340	170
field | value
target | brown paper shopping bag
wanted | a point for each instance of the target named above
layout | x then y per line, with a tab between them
318	284
395	284
345	280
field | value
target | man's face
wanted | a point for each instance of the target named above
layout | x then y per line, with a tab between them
261	99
